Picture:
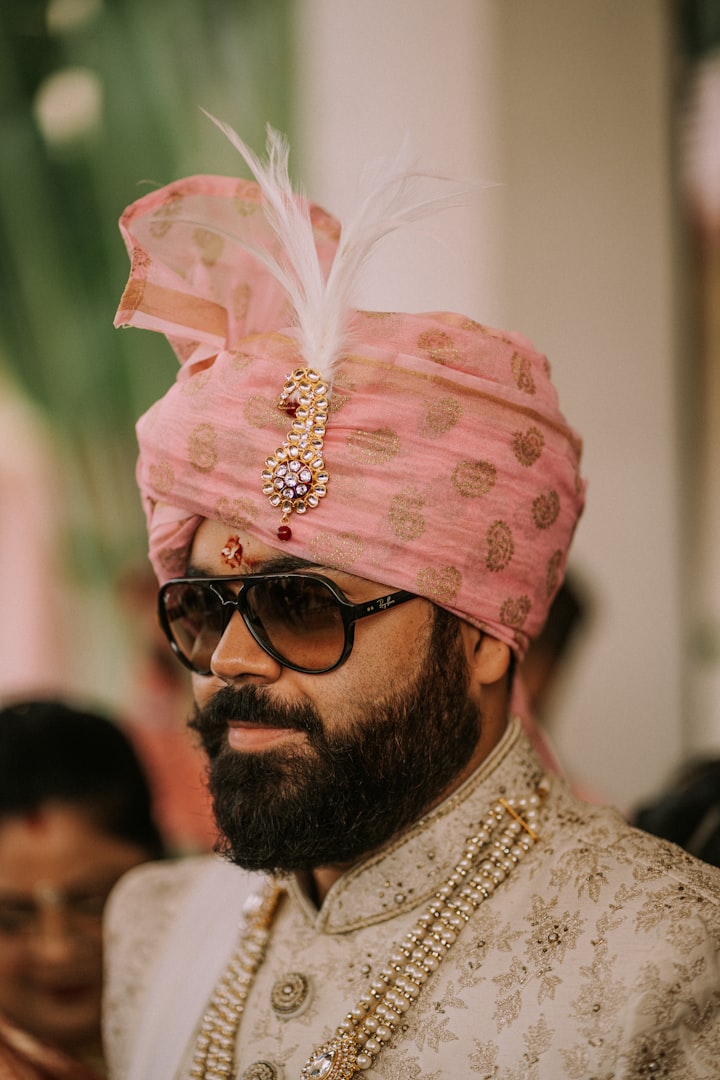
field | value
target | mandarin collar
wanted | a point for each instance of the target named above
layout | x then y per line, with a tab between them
409	869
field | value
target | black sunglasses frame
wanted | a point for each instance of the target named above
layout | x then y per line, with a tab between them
349	613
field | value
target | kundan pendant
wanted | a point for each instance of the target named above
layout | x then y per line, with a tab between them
294	477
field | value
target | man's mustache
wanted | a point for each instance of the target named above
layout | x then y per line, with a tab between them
248	705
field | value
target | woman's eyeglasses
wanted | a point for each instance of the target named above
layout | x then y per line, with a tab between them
21	916
301	619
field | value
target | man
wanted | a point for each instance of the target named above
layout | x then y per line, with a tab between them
358	521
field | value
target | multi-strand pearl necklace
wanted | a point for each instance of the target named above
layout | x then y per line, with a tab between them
507	832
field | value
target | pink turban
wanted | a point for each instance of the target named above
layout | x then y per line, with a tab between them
452	472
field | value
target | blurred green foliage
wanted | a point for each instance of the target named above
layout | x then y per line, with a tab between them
154	64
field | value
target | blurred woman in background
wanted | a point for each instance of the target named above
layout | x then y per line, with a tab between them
75	814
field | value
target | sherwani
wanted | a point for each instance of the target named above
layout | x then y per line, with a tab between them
596	958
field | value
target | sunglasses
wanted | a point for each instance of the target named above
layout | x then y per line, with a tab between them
303	620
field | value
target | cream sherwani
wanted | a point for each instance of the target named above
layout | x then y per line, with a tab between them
597	958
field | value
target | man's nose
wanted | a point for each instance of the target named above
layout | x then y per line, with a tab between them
238	656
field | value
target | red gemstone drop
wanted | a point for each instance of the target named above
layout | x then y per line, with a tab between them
284	532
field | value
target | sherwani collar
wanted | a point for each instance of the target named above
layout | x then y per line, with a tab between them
409	869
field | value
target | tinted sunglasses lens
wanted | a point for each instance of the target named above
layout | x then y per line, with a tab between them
299	618
195	618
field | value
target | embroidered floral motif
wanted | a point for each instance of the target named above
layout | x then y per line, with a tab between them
587	868
576	1062
402	1066
405	515
474	478
210	244
434	1032
507	1005
552	576
241	360
439	583
654	1055
514	612
164	216
442	415
484	1059
202	448
500	546
528	446
196	383
237	513
374	447
241	299
340	551
245	207
162	477
259	413
439	346
545	509
522	373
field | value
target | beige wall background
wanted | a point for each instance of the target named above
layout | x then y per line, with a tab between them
566	109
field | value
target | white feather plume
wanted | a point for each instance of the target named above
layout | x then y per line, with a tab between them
389	196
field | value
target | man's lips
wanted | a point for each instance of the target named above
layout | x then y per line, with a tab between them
252	737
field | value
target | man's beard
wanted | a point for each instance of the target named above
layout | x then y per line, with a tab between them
344	794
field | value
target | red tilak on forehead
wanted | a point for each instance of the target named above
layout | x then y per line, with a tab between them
232	552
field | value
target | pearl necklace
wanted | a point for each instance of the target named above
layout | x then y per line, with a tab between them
507	832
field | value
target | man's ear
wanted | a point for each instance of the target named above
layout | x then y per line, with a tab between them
488	659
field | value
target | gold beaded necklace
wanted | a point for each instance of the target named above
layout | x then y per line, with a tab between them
507	832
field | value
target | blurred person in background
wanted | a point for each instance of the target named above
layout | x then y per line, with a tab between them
75	814
549	654
687	811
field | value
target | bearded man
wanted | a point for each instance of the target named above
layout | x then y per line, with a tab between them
358	520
